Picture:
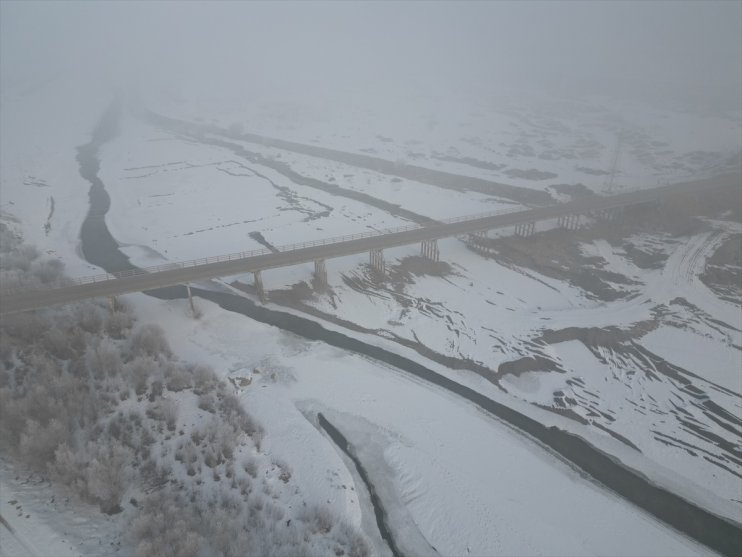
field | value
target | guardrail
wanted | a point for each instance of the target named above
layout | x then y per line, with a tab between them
103	277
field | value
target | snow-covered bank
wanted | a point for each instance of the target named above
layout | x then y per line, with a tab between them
38	521
456	479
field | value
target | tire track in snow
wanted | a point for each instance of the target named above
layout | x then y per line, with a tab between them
6	547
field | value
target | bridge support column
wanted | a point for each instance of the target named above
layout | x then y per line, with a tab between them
112	303
190	299
320	274
479	242
376	259
429	250
477	238
525	230
259	286
609	215
569	222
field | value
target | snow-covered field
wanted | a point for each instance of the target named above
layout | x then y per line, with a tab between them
651	376
469	484
501	137
36	523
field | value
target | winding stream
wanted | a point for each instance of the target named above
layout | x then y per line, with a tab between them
101	249
382	520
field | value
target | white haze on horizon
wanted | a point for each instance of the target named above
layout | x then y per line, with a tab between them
685	50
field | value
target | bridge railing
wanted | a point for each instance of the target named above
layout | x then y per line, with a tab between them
103	277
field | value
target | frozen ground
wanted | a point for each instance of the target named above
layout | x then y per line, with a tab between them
523	139
470	484
40	521
40	182
446	470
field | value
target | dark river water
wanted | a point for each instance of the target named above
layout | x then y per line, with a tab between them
382	519
101	249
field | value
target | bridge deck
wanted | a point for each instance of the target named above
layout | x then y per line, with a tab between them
19	301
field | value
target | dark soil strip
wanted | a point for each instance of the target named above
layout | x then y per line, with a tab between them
437	178
333	189
713	531
469	161
193	134
283	298
382	520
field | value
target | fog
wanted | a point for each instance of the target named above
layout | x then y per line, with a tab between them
681	50
370	278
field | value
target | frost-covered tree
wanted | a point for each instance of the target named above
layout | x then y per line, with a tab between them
108	475
167	527
149	340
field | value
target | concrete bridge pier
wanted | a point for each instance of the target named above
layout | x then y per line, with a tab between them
376	259
570	222
478	242
259	286
477	238
320	274
429	250
609	215
525	230
112	303
190	299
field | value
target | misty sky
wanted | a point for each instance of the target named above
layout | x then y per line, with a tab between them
691	48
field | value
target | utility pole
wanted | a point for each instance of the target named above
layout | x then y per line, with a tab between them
611	179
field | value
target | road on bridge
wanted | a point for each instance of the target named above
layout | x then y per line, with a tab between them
19	301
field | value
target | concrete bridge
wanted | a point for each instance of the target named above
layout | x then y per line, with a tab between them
568	215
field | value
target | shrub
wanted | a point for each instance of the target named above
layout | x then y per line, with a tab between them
57	344
149	340
48	271
177	377
26	328
19	257
118	323
352	540
155	390
207	403
103	359
12	418
38	443
319	520
167	527
227	534
138	371
165	410
234	413
69	467
251	467
108	475
169	412
89	317
284	471
204	379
